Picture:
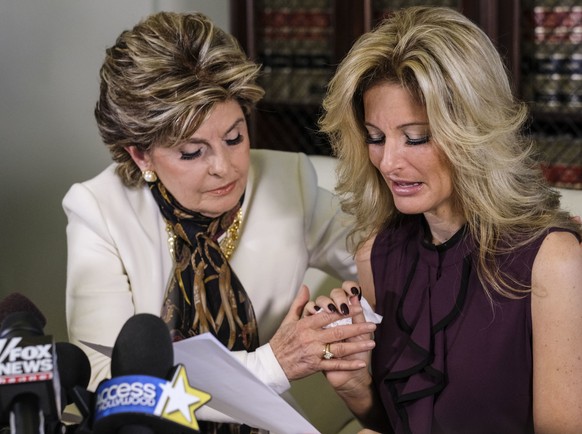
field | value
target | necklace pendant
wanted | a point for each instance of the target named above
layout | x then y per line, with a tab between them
229	242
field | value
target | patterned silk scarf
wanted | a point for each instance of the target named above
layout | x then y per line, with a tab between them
204	294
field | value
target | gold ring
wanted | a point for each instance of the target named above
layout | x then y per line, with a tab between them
327	354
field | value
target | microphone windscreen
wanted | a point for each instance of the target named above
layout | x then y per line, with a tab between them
23	324
143	347
17	302
73	364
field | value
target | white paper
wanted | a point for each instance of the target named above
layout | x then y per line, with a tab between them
235	390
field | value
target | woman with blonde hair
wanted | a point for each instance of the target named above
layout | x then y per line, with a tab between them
466	253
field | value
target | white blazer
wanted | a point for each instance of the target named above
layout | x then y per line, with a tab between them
119	264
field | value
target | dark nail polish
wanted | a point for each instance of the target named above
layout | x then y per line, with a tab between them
332	307
345	309
317	308
355	291
360	295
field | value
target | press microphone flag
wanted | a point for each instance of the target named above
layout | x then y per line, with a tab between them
29	381
26	360
38	377
152	401
139	393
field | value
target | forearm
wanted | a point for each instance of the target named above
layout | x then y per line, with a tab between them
264	365
364	402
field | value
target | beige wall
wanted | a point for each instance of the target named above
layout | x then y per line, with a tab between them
50	53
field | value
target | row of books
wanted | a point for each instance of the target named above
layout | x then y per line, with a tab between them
297	35
561	157
396	4
555	24
554	92
293	4
553	80
295	85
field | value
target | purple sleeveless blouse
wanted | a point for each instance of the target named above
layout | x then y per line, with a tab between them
446	359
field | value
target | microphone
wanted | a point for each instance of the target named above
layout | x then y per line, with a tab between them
139	398
75	373
17	302
74	370
38	378
29	380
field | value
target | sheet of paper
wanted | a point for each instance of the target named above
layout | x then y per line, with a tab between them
235	390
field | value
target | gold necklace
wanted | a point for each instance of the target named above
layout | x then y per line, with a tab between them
229	242
171	239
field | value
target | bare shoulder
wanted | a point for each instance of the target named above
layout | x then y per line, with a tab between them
557	342
365	271
559	260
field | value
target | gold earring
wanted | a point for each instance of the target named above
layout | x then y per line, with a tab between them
149	176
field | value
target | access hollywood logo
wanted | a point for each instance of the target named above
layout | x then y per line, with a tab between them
174	400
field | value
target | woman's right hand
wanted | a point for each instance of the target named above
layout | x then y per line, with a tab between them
300	342
354	386
348	381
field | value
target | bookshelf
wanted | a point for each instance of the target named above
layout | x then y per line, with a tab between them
552	85
300	42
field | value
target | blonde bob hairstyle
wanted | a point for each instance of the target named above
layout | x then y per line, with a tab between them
452	69
162	78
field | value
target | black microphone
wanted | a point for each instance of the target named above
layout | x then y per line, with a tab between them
75	373
17	302
29	380
146	394
38	378
74	370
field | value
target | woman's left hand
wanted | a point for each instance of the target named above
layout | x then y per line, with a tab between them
300	344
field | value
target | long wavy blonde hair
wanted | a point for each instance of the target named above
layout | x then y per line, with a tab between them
161	79
450	67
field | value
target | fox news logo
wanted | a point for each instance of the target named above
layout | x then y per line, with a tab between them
24	361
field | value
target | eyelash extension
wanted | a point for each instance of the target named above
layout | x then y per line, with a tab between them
193	155
190	155
235	141
371	141
409	141
420	141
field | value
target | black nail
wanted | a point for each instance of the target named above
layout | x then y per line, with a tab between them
345	309
317	308
331	307
355	291
360	295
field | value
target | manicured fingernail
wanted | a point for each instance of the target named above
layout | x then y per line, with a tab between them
344	308
331	307
355	291
317	308
360	295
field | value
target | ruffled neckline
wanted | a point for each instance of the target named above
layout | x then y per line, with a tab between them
419	371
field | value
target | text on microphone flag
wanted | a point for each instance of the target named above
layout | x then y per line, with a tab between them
25	360
175	400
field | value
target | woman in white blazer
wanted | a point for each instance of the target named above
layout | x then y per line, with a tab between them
175	93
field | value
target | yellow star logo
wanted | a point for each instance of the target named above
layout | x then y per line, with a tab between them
179	400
